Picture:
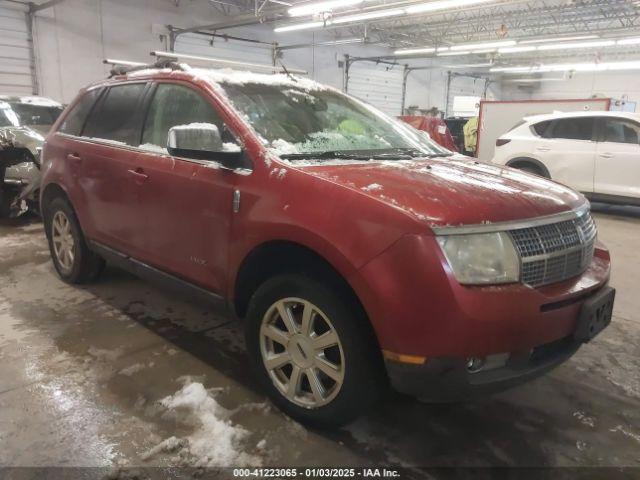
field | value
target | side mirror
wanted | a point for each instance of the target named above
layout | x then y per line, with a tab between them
202	141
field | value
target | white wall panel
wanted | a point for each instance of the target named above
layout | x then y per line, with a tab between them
16	72
236	50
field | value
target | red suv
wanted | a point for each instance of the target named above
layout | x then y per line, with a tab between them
356	250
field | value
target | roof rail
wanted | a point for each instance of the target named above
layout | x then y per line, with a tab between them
122	67
229	63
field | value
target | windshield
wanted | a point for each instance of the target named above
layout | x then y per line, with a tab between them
300	123
15	114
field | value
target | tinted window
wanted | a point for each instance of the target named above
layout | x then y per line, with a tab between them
114	118
541	128
178	105
74	121
573	128
621	131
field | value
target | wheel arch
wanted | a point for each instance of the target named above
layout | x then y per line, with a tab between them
520	162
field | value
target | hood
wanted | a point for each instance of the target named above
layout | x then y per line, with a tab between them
453	191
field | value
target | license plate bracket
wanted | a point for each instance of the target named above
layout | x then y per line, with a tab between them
595	314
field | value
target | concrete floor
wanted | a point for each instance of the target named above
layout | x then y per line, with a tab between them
83	372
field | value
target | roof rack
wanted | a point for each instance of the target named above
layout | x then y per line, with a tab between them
122	67
229	63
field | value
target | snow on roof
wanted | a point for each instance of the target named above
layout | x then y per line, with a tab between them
236	77
589	113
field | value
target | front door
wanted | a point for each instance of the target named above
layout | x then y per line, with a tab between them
618	159
185	205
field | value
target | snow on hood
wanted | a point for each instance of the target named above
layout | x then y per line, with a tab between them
452	191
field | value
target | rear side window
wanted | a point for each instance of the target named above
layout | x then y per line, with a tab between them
541	128
618	130
116	117
74	121
573	129
177	105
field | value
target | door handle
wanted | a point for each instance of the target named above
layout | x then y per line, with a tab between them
74	157
543	149
606	155
139	174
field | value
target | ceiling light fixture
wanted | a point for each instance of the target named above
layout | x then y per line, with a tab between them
413	51
367	16
451	54
629	41
441	5
578	67
516	49
475	46
319	7
558	39
562	46
298	26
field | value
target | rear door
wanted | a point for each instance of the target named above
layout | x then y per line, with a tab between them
185	205
568	150
618	158
106	156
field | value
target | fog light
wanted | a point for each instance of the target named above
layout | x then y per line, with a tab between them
475	364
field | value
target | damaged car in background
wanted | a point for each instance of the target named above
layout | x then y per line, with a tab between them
24	123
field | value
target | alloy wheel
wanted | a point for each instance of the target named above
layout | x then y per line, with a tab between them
302	352
64	245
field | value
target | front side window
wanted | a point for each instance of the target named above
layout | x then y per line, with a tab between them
619	130
74	121
116	117
298	122
573	128
177	105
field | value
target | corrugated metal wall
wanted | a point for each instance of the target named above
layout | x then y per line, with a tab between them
16	65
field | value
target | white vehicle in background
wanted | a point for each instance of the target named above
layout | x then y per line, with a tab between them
596	153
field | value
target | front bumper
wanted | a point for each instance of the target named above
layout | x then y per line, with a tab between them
450	379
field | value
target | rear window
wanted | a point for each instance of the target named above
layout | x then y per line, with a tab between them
520	123
74	121
17	114
541	128
115	117
573	129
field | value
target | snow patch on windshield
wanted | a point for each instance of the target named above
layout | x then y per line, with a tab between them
214	441
326	141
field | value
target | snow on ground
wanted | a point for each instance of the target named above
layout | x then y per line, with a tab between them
214	441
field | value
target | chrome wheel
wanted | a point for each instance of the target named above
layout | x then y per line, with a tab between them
301	352
64	245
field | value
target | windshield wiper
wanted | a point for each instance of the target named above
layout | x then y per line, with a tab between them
329	154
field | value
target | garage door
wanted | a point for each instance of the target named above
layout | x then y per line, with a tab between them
462	86
239	51
378	84
16	66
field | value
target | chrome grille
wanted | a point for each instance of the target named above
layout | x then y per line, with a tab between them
556	251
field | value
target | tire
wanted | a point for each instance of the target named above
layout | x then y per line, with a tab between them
359	371
79	266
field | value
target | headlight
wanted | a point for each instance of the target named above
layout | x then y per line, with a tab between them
482	258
